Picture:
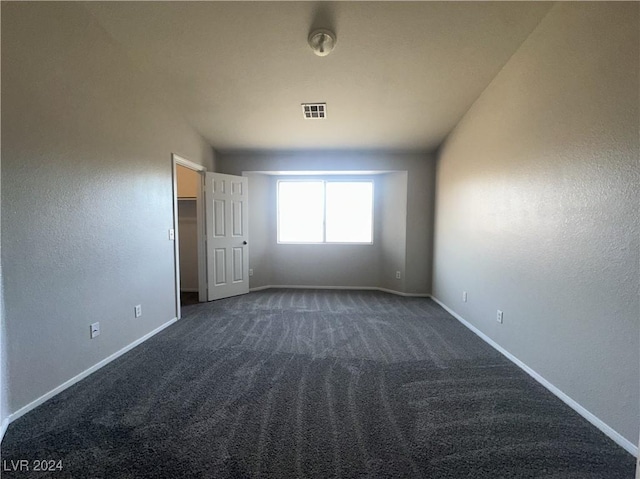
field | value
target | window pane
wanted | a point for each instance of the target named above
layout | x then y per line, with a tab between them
300	211
349	212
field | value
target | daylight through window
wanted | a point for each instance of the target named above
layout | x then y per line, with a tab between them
318	211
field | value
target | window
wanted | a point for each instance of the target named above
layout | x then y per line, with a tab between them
318	211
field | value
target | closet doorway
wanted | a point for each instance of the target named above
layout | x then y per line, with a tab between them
190	256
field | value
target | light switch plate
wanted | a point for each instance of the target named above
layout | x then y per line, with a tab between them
95	330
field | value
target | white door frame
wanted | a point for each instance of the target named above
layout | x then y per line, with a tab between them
202	260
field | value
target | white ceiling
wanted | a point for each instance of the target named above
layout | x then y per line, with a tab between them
401	76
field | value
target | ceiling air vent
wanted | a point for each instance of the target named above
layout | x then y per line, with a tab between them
314	111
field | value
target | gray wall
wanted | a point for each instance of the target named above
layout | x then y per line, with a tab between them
4	406
338	265
86	198
261	228
393	240
537	209
4	403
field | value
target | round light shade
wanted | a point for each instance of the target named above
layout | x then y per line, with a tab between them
322	42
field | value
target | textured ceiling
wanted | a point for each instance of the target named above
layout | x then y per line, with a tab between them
401	76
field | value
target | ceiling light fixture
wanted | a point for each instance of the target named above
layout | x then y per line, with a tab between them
322	42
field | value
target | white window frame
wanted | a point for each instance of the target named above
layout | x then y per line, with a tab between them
326	180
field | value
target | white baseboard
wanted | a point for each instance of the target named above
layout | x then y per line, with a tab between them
346	288
306	286
406	295
259	288
32	405
573	404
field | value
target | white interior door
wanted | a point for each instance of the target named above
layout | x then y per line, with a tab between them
226	198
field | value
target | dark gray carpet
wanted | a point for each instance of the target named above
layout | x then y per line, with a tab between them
317	384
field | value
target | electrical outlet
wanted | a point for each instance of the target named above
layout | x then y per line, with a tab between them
464	296
172	234
398	275
137	311
95	330
499	317
250	272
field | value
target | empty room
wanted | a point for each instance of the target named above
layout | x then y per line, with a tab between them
320	239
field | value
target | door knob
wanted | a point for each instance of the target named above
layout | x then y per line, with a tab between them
244	242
